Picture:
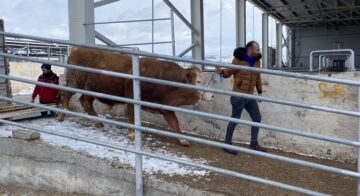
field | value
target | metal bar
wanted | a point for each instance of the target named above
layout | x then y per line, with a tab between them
265	39
208	63
194	139
80	12
48	52
336	51
167	158
103	2
173	32
104	39
221	26
320	20
279	44
240	23
152	26
177	12
145	43
31	45
197	37
358	153
28	51
127	21
182	85
137	121
191	112
186	50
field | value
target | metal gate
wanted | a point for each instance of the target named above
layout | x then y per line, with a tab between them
5	89
139	128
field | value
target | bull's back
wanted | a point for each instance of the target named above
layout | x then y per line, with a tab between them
98	59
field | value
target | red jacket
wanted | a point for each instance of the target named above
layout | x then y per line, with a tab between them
47	95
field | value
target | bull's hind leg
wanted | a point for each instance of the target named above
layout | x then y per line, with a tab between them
173	122
130	114
66	96
87	103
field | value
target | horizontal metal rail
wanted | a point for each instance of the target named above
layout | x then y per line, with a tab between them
200	62
145	43
191	138
182	85
194	139
167	158
128	21
188	111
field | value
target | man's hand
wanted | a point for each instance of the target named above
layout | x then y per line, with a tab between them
32	100
218	70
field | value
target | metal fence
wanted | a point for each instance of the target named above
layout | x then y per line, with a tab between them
138	103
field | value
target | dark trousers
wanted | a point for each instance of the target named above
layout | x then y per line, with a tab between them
251	106
45	113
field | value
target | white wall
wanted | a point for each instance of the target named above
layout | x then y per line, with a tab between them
319	93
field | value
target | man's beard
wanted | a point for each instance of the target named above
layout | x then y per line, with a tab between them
257	57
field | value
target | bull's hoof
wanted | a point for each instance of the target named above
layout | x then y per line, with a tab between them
131	134
61	117
99	125
184	142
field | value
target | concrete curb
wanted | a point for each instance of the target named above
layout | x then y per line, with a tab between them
37	165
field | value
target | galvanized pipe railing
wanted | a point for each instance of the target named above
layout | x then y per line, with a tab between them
188	111
167	158
182	85
140	128
193	139
200	62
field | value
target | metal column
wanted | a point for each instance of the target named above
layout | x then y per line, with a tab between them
265	39
240	17
172	33
358	155
197	21
137	122
81	12
279	44
289	47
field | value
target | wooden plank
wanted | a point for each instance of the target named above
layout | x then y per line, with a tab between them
20	113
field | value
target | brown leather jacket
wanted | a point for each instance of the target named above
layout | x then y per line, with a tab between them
244	81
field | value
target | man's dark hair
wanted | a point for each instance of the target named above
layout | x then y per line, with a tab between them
250	44
46	66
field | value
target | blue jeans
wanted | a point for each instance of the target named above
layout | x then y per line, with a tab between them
251	106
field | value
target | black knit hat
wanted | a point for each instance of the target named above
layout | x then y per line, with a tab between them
46	66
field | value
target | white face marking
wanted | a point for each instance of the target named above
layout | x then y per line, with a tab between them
206	96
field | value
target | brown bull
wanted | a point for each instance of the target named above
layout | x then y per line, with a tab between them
149	67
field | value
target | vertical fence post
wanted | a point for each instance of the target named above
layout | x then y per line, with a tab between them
152	26
137	121
172	32
358	155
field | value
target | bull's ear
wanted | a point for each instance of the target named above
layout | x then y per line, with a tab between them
194	67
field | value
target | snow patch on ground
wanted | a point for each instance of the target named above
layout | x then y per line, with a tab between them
110	134
27	91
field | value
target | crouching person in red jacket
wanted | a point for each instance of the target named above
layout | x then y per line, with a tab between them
46	95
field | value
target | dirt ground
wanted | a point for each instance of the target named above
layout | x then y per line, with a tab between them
292	174
20	191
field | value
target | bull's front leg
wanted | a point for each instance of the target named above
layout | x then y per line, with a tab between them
130	114
65	99
87	103
173	122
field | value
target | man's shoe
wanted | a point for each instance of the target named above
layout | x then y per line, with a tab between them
258	148
230	151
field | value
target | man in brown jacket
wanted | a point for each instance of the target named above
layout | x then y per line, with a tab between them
244	82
